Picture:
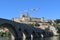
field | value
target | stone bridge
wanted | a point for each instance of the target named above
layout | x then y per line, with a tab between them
19	30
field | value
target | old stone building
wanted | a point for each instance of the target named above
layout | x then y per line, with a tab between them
25	18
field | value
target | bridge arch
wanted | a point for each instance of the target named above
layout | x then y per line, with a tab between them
27	34
11	28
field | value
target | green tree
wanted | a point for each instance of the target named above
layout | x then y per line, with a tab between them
57	21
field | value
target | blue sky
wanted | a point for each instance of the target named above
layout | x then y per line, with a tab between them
49	9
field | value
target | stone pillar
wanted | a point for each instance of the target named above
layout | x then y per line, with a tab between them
28	36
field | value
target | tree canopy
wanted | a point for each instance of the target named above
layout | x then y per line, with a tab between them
57	21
